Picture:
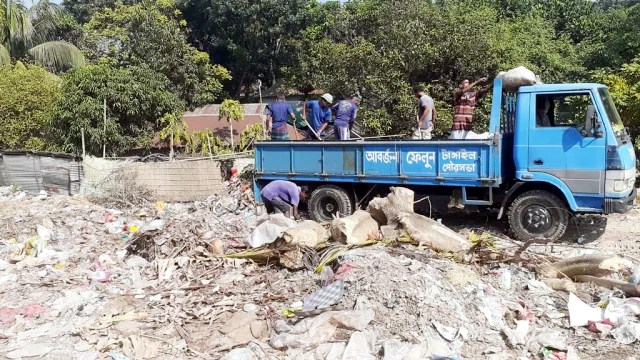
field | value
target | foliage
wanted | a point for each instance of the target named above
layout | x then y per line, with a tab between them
624	85
381	49
174	130
232	111
199	142
251	134
152	34
83	10
137	98
250	38
152	58
30	31
28	96
66	28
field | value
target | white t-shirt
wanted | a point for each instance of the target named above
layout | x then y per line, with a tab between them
425	100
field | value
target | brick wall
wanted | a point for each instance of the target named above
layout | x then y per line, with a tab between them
172	181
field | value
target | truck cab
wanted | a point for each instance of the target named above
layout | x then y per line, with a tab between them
570	136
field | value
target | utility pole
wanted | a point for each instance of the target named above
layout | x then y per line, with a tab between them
104	119
84	153
264	130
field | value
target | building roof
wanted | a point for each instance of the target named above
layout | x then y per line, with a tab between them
208	118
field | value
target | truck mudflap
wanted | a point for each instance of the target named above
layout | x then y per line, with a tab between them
618	206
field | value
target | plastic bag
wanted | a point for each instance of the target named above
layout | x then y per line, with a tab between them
269	229
514	78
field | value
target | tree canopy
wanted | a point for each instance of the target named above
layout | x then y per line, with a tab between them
250	38
136	97
28	96
182	54
152	34
29	32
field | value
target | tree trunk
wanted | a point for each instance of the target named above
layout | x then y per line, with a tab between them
231	133
240	83
171	147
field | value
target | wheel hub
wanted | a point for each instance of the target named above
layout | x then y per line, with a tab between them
537	219
329	207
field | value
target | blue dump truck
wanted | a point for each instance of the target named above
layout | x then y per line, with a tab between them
555	150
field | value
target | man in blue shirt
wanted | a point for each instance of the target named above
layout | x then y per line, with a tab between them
280	195
317	114
277	118
345	116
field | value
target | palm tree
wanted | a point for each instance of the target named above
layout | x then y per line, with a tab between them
232	110
28	31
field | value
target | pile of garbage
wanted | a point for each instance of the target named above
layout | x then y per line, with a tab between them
214	279
387	220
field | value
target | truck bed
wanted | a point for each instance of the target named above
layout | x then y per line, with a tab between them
468	163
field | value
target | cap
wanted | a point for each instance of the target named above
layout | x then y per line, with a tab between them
327	97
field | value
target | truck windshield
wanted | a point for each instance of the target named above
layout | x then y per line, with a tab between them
612	114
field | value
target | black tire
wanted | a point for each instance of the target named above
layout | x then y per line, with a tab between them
538	214
327	200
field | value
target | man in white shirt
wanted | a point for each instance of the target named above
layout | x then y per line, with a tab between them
426	115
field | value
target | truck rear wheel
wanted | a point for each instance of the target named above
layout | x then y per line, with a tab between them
327	201
538	214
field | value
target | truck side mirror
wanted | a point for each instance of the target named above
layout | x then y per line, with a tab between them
589	121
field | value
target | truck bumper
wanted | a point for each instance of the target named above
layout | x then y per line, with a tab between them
613	206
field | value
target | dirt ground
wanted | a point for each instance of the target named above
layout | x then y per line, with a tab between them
615	232
99	290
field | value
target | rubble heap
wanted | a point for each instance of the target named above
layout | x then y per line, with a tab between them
181	281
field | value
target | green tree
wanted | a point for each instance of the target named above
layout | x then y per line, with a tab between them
250	38
231	110
152	34
28	96
381	48
614	38
174	130
83	10
29	31
137	98
251	134
624	85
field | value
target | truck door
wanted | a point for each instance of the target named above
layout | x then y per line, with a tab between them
559	146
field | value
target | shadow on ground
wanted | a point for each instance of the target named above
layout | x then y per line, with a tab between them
582	229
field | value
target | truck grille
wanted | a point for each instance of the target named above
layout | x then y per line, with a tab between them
608	206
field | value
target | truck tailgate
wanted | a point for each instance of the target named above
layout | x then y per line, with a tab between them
455	163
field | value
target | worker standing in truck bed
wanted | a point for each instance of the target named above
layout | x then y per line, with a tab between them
277	119
465	100
345	111
317	114
426	114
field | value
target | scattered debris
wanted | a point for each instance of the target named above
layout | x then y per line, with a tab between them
185	281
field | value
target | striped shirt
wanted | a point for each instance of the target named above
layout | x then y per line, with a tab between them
464	107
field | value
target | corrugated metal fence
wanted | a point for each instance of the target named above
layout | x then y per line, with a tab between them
35	171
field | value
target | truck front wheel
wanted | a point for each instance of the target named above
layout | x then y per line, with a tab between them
538	214
327	201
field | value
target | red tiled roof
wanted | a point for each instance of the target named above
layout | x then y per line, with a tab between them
208	118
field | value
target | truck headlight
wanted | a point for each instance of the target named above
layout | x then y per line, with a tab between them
622	185
619	185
